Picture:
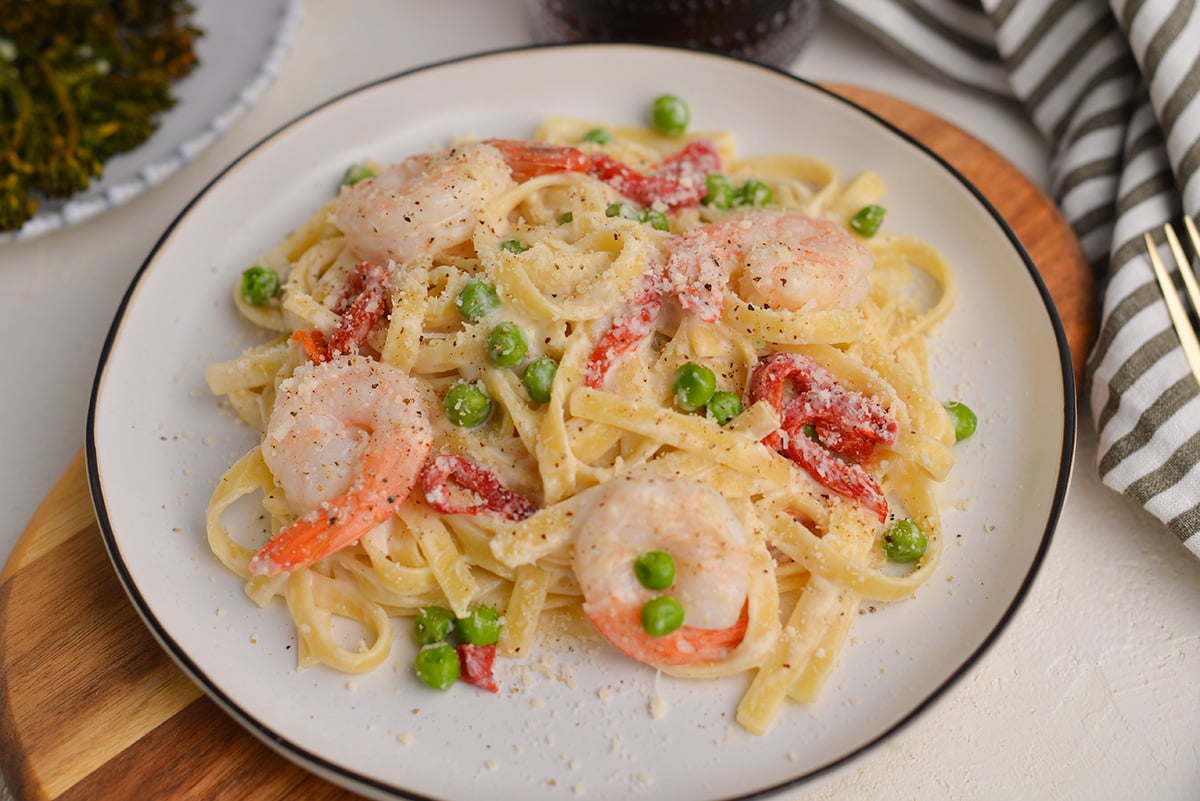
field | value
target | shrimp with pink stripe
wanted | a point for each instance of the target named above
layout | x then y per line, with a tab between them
777	258
346	442
781	259
711	552
430	202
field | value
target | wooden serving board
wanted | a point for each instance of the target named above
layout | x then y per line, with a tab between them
90	706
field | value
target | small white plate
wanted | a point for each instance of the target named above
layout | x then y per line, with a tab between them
240	52
573	722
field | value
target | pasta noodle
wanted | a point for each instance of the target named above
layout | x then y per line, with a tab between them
622	268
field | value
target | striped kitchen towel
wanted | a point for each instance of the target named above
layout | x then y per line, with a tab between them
1114	87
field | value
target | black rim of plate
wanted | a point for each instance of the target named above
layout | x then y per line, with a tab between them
349	778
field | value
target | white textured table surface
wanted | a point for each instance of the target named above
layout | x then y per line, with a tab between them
1092	692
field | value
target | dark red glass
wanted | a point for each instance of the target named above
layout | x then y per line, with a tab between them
769	31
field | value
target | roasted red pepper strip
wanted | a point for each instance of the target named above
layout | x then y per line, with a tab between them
846	422
844	478
364	301
493	496
768	382
628	328
476	662
677	181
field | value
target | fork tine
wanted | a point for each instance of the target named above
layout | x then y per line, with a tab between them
1185	266
1183	327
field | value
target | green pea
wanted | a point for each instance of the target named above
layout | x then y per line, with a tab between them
481	626
964	419
539	378
670	115
433	624
661	615
655	570
658	221
477	300
623	210
866	221
566	217
437	665
724	406
693	386
719	191
598	136
506	345
754	192
259	285
467	405
355	173
904	542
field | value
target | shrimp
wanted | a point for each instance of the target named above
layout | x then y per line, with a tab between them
423	205
711	548
780	259
529	159
430	202
346	441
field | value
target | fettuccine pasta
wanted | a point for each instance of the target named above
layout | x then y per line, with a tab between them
503	373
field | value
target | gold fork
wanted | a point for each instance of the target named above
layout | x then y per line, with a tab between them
1179	315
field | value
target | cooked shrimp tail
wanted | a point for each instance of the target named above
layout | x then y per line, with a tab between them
381	489
622	626
345	441
528	159
710	550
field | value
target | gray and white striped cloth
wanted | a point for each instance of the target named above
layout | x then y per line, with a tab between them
1114	87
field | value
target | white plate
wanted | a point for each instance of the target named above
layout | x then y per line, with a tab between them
239	56
157	444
